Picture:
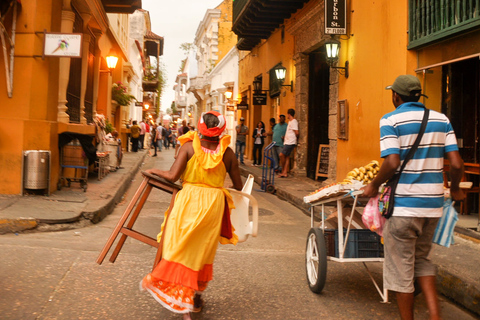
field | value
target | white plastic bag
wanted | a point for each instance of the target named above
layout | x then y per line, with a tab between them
444	231
372	218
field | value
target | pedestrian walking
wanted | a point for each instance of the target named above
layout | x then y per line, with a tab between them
289	143
242	132
419	195
153	138
134	135
143	129
278	135
159	137
201	211
259	135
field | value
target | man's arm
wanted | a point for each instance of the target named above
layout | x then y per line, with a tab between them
387	170
456	174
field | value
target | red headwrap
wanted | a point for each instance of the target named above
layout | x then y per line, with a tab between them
215	131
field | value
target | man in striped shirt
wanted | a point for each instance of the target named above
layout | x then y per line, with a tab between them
419	195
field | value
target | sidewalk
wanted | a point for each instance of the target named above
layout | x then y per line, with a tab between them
70	207
458	276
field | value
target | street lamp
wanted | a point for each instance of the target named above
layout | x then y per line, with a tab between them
332	48
146	106
112	60
228	95
257	85
280	73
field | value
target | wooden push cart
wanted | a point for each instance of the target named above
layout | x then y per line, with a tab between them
316	250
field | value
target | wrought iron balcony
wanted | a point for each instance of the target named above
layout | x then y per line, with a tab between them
254	20
434	20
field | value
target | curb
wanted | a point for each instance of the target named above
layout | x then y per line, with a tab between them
98	214
17	225
456	289
95	214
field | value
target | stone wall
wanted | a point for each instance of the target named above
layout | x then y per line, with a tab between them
307	27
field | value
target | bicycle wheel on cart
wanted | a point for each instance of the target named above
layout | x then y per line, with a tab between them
316	260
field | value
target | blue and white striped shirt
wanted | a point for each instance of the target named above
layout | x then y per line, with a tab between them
420	188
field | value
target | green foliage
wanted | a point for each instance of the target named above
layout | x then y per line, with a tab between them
119	94
109	127
186	47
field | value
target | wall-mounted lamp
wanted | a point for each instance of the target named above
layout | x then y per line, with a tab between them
332	48
112	60
280	73
146	106
228	95
257	86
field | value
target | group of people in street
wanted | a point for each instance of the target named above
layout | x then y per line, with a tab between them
202	207
285	136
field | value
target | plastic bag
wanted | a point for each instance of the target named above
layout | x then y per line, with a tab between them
372	218
444	232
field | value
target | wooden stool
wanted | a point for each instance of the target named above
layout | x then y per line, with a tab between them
137	202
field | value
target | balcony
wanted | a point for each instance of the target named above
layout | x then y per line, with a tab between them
254	20
150	82
121	6
436	20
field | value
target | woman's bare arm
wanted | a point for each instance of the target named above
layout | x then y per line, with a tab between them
231	164
177	168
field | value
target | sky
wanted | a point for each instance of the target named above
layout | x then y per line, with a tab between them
176	21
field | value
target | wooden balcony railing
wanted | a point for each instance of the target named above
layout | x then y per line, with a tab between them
434	20
238	6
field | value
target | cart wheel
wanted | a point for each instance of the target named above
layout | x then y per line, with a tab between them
316	260
270	189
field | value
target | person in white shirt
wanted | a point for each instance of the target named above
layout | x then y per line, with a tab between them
289	143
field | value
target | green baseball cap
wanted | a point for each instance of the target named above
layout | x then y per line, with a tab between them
405	84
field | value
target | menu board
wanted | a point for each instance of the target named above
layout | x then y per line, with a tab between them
323	161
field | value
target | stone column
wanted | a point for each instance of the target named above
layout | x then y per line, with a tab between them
68	17
85	51
301	108
96	71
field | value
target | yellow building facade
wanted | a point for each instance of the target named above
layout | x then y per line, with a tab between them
39	97
384	39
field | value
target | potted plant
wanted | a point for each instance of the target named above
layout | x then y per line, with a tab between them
120	95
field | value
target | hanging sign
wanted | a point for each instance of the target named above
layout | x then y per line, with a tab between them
63	45
259	99
335	17
242	106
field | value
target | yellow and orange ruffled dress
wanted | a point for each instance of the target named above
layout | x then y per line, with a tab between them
193	230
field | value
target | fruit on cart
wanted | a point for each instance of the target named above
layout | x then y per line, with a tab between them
363	174
322	188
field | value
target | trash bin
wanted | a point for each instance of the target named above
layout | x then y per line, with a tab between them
36	169
112	147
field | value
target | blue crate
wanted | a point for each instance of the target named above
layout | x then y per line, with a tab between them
362	243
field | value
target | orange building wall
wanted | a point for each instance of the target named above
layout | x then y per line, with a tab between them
28	118
258	62
377	54
226	38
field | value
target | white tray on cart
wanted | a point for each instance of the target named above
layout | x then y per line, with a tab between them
316	252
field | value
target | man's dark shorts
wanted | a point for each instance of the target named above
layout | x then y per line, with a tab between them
287	149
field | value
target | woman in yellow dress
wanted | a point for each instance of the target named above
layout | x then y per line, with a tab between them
199	219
